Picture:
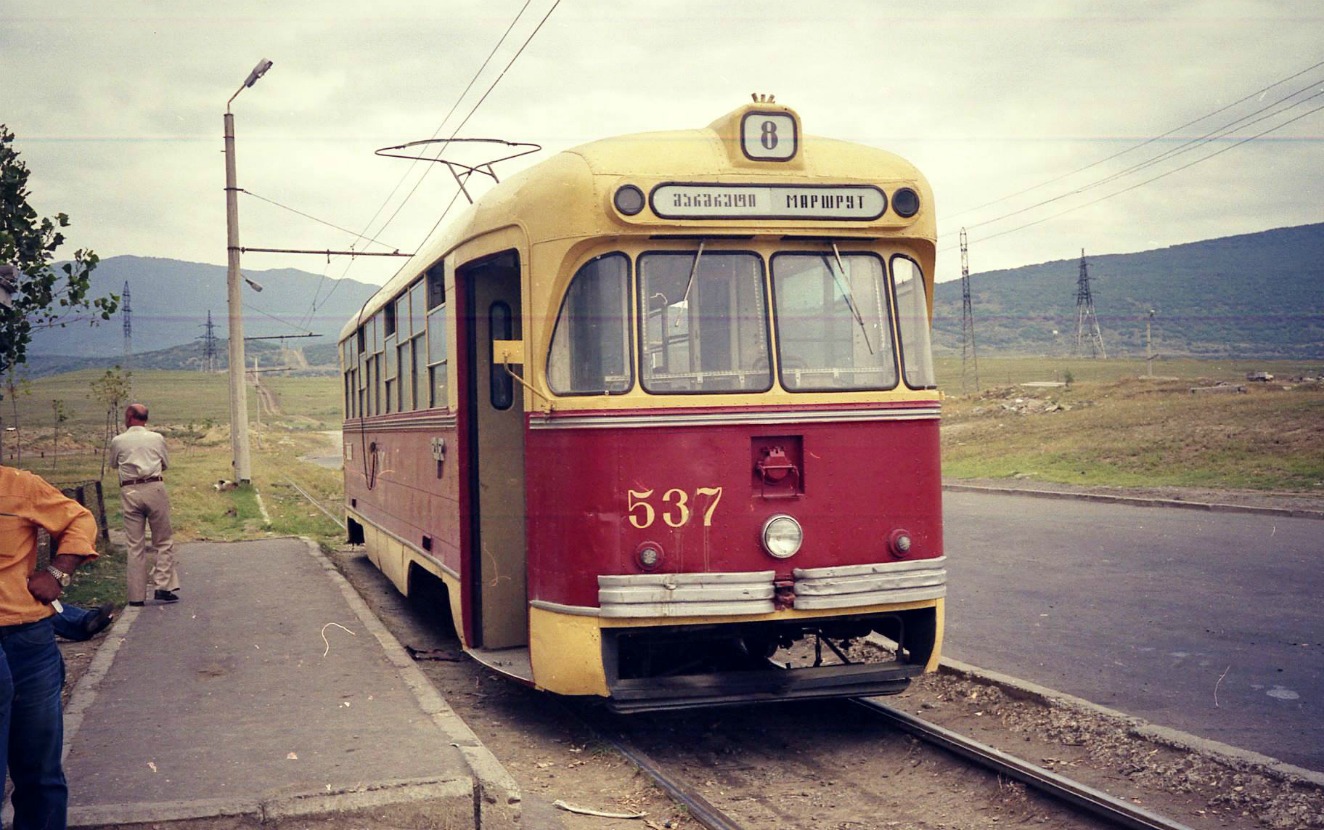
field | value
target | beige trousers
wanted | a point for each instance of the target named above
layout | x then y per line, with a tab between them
147	506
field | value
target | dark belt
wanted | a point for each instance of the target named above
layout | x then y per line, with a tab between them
147	480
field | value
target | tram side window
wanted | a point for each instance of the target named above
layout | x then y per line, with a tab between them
349	362
436	282
832	318
705	322
389	373
590	353
373	368
912	311
438	357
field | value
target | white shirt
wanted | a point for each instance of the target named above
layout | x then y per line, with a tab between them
137	452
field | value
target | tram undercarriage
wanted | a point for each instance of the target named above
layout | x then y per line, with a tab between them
681	667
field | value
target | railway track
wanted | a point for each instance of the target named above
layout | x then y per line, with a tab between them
1080	797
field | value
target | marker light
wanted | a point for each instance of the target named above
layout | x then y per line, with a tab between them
905	202
629	199
648	555
900	542
782	536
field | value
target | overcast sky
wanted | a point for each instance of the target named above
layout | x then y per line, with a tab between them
117	107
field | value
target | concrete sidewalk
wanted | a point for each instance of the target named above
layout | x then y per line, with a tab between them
270	691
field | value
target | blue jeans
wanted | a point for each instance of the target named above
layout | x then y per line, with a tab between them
69	622
32	725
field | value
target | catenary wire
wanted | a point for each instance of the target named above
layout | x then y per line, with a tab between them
1133	147
1151	179
1169	154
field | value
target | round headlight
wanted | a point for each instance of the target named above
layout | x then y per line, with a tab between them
905	202
782	536
629	199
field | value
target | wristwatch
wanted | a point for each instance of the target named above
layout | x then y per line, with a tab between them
60	576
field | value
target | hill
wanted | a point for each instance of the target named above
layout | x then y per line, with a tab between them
170	302
1258	295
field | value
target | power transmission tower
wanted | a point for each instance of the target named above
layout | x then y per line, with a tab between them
209	346
128	338
969	361
1087	322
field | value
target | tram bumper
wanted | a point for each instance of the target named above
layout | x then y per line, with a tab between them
770	685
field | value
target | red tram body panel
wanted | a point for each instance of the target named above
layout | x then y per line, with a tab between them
854	485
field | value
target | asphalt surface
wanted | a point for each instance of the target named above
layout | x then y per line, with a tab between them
1208	622
269	691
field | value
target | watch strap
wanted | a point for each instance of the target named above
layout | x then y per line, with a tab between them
60	576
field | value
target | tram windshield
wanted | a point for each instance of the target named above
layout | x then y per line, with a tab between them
832	322
705	322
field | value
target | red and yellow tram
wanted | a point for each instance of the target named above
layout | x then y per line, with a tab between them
660	414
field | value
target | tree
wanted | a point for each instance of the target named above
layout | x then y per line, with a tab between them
111	389
15	385
45	296
61	415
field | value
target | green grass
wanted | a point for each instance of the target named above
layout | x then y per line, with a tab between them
1133	432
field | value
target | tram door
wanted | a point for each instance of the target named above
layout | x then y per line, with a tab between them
496	566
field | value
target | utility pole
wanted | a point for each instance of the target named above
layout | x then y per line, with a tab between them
1087	322
1149	346
209	346
967	321
128	338
238	392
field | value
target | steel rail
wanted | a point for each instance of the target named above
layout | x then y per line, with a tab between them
700	809
316	503
1095	802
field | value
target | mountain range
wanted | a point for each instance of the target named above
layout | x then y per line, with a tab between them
1257	295
169	303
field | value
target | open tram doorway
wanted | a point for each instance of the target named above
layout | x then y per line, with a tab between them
494	410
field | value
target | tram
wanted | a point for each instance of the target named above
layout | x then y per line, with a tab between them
659	412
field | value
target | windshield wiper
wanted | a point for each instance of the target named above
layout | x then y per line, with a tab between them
694	269
843	284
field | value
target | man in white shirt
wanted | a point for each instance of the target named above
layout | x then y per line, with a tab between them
141	458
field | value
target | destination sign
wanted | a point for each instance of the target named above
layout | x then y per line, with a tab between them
859	203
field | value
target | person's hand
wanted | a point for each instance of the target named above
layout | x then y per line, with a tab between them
44	587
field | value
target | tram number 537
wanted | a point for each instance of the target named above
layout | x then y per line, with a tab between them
677	507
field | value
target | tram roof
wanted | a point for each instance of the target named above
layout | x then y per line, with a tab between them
535	199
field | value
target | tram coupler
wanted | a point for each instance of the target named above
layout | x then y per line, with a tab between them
783	594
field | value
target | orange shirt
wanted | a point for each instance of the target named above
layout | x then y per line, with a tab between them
27	502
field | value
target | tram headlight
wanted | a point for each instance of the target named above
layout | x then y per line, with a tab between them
905	202
782	536
629	199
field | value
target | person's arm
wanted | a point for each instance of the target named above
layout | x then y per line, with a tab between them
73	530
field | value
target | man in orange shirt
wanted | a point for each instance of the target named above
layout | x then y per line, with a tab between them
31	668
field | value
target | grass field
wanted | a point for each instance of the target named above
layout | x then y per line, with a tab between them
1114	426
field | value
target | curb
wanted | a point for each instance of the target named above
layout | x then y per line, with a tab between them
497	795
1138	501
1232	756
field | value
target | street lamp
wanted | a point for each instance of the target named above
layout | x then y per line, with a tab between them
238	392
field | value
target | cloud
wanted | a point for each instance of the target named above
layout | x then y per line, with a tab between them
118	113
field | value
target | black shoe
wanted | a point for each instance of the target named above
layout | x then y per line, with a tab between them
137	604
167	596
99	619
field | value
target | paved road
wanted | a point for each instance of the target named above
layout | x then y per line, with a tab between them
1207	622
